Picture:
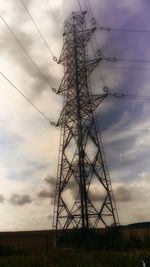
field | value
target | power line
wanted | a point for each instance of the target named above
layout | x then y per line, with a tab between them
25	51
122	95
125	129
109	29
86	6
90	9
106	28
116	95
24	96
100	72
133	60
136	96
124	38
79	5
41	35
115	59
96	43
125	68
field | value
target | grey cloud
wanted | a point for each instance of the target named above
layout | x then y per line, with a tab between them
27	2
20	200
1	198
93	194
55	16
50	180
124	193
72	186
41	77
9	44
126	155
43	193
96	196
49	192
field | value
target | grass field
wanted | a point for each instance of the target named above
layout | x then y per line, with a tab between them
88	248
67	258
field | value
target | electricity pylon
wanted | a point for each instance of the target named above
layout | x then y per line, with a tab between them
84	197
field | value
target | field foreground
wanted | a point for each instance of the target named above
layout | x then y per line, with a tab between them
118	247
68	258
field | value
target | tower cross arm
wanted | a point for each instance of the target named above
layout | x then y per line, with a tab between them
91	64
94	102
86	36
63	86
97	99
80	37
61	119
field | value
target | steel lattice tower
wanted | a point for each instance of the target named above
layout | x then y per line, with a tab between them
81	166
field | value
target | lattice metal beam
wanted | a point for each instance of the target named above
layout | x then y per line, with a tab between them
84	197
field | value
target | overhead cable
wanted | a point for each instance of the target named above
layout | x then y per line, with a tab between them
133	60
122	95
24	96
79	5
41	35
25	51
115	59
126	129
124	68
108	29
96	43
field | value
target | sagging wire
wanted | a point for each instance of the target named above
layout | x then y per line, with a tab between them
20	92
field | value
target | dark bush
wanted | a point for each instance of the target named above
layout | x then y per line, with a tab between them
133	243
7	250
89	239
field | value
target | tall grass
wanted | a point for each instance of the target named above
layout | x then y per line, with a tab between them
88	248
110	240
78	259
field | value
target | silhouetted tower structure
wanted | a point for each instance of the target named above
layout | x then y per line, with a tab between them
84	197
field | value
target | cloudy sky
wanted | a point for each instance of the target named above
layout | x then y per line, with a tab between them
29	144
